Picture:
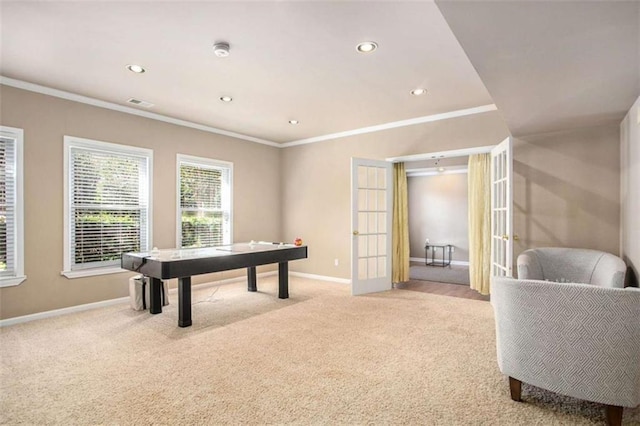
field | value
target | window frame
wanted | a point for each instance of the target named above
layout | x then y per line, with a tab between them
17	135
82	143
206	163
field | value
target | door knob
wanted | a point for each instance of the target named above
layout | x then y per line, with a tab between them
505	237
516	237
356	233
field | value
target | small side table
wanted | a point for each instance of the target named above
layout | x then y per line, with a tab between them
446	248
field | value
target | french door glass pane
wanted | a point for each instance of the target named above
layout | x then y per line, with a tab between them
373	243
362	199
362	246
362	176
382	178
382	245
371	199
371	229
372	271
382	223
382	266
372	177
362	223
362	269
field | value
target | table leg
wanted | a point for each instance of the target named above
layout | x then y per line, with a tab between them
283	280
251	279
155	304
184	302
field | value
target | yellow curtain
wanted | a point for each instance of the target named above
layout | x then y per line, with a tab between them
480	222
400	240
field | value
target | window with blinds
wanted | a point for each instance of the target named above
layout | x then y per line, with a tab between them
10	211
204	213
108	202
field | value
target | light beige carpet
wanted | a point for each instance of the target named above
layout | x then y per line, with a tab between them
320	357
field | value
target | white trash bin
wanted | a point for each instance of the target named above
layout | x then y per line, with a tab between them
139	292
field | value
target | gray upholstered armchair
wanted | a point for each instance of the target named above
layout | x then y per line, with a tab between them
572	265
567	325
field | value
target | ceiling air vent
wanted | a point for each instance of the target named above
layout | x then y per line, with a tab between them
139	102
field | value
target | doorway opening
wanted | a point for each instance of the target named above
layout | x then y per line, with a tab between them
450	223
490	213
438	220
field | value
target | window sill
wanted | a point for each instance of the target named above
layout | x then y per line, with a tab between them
81	273
12	281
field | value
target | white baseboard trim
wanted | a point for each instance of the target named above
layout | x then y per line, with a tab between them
62	311
111	302
453	262
320	277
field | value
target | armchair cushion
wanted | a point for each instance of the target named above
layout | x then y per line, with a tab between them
572	265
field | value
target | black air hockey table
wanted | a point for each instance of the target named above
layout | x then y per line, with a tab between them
184	263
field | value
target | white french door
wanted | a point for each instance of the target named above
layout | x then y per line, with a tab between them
501	209
371	216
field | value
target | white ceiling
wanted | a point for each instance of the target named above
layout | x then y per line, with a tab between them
288	60
553	65
549	65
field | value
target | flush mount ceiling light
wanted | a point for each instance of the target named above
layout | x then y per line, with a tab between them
418	92
136	68
441	169
367	46
226	98
221	50
294	122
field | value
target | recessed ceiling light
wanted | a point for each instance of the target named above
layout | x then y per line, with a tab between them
136	68
418	92
293	122
226	98
367	46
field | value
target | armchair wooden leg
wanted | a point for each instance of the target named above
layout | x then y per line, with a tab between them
614	415
515	386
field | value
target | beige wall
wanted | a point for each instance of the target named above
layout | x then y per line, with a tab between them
316	181
45	120
566	190
438	210
566	185
630	190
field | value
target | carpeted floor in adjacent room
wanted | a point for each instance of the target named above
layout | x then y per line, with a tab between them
320	357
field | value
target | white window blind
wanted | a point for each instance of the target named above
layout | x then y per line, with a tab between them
8	198
204	196
108	203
